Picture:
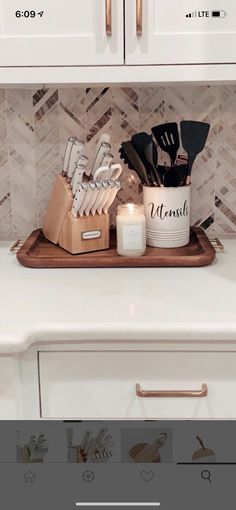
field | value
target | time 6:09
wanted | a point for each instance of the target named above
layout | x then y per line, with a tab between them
28	14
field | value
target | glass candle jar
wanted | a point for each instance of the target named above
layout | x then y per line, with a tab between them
131	230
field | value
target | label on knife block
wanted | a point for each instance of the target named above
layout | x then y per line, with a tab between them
132	237
92	234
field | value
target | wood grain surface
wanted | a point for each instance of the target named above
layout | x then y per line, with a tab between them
59	204
37	252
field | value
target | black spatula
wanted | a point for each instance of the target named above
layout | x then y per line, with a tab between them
167	137
194	135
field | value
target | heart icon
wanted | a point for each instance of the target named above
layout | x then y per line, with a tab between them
88	476
147	476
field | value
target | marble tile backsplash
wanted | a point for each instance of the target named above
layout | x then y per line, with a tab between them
35	124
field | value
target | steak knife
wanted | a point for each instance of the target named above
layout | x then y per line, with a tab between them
91	187
100	196
106	196
93	199
77	177
78	200
112	196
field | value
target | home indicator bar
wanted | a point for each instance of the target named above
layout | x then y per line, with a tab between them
153	505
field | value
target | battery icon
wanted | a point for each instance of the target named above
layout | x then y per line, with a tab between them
218	14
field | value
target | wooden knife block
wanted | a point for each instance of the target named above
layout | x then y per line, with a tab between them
76	235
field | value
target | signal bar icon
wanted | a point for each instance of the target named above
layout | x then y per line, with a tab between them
192	14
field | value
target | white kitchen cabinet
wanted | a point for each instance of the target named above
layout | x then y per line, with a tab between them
102	384
186	32
71	33
70	43
10	389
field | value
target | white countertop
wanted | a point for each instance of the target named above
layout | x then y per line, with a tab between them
161	304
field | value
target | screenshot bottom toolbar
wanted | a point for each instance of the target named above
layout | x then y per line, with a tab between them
64	465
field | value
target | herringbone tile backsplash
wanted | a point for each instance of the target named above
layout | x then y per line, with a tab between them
35	125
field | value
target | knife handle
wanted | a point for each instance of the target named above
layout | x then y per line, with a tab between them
106	161
69	145
78	200
98	200
111	197
102	148
92	191
105	191
77	177
76	150
87	199
104	200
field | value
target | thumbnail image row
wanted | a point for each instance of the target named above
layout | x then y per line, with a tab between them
108	442
134	442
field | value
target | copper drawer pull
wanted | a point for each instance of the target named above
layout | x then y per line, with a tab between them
139	17
172	393
108	8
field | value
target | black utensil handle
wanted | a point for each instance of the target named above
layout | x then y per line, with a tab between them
158	176
136	163
152	176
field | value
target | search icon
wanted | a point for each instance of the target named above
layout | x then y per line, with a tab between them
206	475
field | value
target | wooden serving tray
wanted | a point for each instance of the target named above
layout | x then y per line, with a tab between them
37	252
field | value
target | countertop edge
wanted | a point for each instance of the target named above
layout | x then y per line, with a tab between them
186	333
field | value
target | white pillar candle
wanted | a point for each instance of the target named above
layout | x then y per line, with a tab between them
131	230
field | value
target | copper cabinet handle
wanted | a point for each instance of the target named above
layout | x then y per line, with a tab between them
172	393
139	17
108	8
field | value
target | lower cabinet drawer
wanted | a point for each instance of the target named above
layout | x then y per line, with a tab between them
102	385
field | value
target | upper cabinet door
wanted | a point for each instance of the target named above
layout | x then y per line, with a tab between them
180	32
70	33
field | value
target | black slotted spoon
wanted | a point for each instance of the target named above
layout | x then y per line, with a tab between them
167	137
